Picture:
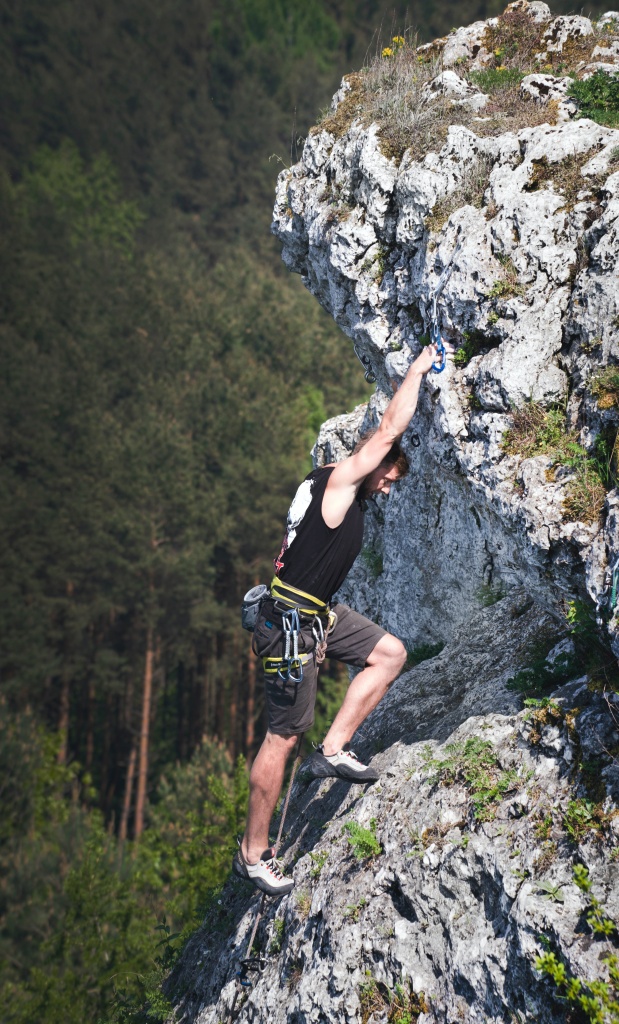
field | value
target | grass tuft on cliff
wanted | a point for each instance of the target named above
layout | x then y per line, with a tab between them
539	431
389	91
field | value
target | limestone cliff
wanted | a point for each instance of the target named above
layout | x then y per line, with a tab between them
434	177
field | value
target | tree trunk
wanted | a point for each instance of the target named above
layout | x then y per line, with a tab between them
147	693
234	701
122	832
90	725
63	718
220	718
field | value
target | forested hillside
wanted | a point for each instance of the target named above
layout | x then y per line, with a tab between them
163	379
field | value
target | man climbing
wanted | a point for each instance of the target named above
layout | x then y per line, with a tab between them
297	628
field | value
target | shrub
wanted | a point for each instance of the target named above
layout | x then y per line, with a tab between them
598	98
604	386
596	1000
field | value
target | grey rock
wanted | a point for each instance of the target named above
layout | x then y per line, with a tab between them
452	907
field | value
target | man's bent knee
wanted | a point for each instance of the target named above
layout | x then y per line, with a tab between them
389	653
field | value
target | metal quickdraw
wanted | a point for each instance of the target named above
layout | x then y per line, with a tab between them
291	667
435	338
365	361
321	636
435	330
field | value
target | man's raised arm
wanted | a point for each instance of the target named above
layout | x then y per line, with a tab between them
348	475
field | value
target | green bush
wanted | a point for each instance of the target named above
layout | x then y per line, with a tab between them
598	98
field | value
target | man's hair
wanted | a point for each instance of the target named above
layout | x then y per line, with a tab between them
394	457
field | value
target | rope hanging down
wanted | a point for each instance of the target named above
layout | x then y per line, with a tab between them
257	963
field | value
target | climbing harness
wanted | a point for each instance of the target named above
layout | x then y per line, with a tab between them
284	593
297	604
365	361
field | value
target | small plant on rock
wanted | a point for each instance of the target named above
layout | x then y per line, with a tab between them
604	386
373	560
475	764
303	901
364	841
277	938
319	860
353	910
583	817
548	891
596	999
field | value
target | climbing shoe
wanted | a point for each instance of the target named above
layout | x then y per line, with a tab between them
266	874
343	765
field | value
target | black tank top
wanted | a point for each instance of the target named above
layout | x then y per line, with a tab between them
314	557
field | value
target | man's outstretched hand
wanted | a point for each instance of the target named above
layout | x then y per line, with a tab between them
427	356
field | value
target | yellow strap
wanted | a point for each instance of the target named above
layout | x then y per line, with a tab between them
273	665
279	589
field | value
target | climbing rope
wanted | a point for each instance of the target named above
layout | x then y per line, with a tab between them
255	964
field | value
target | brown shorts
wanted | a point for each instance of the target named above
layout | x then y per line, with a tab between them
290	705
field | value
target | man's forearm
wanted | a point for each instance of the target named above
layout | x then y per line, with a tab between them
402	406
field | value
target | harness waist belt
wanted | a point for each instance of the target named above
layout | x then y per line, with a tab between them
274	666
295	598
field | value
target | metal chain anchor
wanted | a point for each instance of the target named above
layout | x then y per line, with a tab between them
365	361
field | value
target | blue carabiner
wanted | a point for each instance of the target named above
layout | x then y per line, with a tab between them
435	336
441	354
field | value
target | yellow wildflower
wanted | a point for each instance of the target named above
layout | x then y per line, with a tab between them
398	40
501	67
387	52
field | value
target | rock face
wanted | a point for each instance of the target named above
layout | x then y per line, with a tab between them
451	900
481	548
530	273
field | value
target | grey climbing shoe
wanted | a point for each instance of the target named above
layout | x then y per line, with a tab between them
343	765
266	874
